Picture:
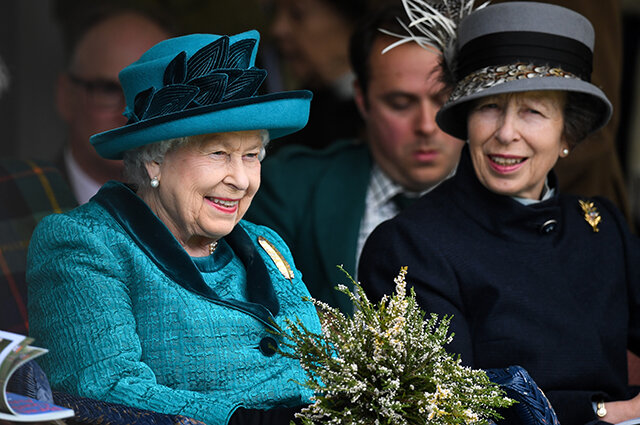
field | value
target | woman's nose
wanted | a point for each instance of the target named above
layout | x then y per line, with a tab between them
237	174
507	127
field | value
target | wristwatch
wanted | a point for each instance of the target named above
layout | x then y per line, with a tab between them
601	410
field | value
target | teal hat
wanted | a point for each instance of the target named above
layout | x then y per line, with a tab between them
200	84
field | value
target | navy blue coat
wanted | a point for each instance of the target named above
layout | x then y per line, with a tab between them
527	285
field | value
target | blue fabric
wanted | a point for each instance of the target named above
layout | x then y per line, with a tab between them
563	304
532	407
30	380
95	412
119	329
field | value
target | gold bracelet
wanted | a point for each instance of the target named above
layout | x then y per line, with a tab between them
601	409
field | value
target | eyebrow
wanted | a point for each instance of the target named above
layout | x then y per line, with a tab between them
391	94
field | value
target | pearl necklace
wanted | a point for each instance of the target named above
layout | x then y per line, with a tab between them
212	247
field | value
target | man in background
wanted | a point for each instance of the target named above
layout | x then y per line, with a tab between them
88	94
325	203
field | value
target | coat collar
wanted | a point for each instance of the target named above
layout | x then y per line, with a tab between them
157	242
502	214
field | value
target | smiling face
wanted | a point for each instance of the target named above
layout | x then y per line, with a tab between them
515	140
403	95
206	186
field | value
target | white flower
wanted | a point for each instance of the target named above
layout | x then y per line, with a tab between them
387	363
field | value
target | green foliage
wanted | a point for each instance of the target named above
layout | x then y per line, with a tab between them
388	365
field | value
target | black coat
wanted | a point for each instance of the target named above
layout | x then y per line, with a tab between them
527	285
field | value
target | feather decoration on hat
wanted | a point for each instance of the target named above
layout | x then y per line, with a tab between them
433	25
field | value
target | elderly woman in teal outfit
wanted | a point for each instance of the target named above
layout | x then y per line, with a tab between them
156	294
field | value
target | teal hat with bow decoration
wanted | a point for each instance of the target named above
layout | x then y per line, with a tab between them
200	84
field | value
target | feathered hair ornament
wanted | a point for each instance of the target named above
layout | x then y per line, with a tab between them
433	25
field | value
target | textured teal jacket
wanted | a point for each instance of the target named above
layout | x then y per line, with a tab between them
129	317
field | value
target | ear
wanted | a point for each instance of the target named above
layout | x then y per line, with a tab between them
359	98
64	97
153	169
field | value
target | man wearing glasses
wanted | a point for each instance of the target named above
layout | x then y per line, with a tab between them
89	96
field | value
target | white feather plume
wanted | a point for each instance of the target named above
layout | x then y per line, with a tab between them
433	25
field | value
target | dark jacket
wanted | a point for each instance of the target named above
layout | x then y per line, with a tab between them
527	285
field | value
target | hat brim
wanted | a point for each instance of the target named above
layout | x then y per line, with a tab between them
280	113
452	117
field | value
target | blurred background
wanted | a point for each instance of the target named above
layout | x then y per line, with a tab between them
31	46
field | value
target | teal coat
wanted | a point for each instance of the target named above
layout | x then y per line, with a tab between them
315	200
129	317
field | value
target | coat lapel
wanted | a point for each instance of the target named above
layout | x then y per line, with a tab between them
155	240
340	201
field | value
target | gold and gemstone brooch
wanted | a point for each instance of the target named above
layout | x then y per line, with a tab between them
591	214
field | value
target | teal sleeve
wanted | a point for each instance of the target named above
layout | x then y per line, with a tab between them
80	309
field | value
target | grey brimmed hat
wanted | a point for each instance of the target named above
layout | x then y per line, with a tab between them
516	47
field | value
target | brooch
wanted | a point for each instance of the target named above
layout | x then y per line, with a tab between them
276	256
591	214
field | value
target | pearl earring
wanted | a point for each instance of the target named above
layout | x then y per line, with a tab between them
155	182
565	151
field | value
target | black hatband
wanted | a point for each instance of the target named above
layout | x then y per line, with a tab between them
530	47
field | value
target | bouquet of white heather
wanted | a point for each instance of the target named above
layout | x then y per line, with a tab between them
388	365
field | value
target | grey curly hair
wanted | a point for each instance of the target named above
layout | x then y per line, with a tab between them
135	160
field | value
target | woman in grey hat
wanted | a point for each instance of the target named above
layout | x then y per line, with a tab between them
532	277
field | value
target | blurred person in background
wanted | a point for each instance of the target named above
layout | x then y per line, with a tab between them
88	95
312	37
29	190
325	203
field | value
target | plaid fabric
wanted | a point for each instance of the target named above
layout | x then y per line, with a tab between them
379	205
29	191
